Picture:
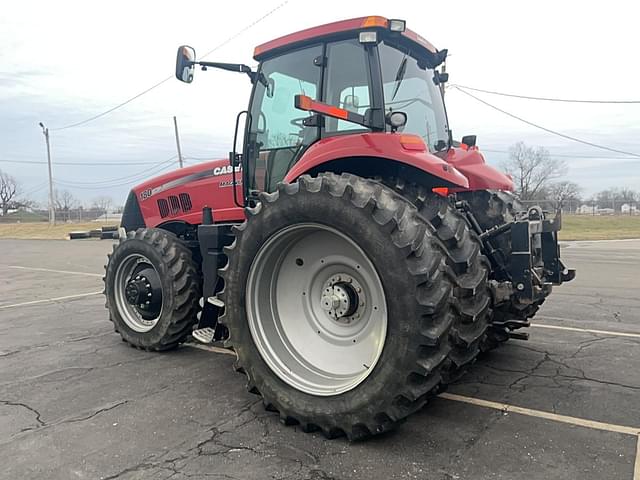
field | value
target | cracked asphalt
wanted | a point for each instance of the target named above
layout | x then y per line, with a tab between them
76	402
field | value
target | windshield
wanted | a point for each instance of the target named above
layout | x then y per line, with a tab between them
409	88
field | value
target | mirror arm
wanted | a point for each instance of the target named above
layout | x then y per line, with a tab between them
235	67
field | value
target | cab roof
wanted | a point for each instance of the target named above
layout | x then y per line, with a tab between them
336	28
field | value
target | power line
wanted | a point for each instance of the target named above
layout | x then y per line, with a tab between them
143	174
546	99
548	130
564	155
34	190
200	158
102	187
144	92
79	164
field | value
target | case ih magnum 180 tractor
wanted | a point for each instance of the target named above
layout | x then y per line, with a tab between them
353	255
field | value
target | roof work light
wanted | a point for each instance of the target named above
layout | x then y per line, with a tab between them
368	37
396	25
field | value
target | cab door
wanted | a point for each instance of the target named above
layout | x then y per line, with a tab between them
277	134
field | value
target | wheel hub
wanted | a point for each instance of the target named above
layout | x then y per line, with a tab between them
138	293
342	298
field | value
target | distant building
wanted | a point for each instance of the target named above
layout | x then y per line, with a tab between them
627	209
109	217
587	209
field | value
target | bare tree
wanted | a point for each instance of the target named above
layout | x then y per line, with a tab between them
532	169
64	202
102	204
616	197
563	192
8	192
628	196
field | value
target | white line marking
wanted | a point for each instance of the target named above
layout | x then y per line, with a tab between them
210	349
504	407
586	330
636	470
54	271
46	300
580	422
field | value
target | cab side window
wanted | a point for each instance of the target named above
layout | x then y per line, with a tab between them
277	135
347	83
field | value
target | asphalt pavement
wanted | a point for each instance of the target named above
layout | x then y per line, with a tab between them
77	403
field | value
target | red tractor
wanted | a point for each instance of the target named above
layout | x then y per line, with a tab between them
355	257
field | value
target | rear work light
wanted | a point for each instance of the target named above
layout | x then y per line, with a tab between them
368	37
397	25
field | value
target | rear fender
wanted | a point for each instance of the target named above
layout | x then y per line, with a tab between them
379	149
471	163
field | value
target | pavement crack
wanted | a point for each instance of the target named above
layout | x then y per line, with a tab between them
54	344
93	414
39	420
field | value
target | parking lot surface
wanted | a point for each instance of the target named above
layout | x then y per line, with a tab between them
76	402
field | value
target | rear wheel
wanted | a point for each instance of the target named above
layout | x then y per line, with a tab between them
152	289
339	303
472	299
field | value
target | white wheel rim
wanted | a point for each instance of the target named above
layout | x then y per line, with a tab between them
316	309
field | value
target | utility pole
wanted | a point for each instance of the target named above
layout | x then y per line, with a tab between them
52	210
175	124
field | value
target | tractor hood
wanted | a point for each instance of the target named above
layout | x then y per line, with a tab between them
180	196
176	178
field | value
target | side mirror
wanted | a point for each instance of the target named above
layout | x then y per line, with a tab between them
469	140
185	63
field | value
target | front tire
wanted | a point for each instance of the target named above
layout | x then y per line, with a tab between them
152	289
403	266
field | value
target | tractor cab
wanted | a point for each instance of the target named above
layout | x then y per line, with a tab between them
352	77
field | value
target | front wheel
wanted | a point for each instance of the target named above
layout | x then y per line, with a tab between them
152	289
339	303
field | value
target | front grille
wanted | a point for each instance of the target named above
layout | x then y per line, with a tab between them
173	205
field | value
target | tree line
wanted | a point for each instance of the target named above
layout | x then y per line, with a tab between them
536	176
66	205
535	172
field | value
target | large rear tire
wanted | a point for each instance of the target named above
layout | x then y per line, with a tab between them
472	296
152	289
283	295
492	208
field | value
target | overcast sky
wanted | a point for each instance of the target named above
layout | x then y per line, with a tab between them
64	61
